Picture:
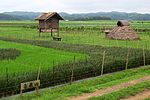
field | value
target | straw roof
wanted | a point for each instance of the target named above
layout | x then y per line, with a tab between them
122	32
123	23
46	16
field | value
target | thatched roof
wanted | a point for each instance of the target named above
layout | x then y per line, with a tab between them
122	32
46	16
123	23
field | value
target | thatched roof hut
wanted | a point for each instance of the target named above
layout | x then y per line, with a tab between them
46	16
49	20
122	31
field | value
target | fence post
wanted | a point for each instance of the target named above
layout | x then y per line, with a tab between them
20	93
12	93
53	72
72	71
126	43
138	44
38	76
117	43
39	70
109	42
7	75
127	59
86	59
144	56
103	61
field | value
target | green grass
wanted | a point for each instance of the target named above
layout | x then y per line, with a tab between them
115	61
87	86
147	99
76	37
7	54
33	56
124	93
98	38
78	32
74	32
19	32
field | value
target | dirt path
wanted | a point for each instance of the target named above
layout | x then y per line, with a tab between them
110	89
140	96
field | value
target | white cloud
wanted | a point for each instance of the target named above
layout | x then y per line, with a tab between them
76	6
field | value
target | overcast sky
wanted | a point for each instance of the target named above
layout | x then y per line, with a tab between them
76	6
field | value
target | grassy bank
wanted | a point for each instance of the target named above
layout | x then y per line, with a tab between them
87	86
124	93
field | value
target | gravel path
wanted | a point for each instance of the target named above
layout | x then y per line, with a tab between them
141	96
110	89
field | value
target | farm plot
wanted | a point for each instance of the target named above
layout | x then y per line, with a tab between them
116	59
77	32
9	54
32	57
19	32
93	33
75	38
92	37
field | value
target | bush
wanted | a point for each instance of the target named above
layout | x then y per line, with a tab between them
6	54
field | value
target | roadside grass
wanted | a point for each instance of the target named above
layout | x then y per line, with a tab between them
147	99
86	86
126	92
32	57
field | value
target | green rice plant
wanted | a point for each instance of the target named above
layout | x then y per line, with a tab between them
76	37
90	66
7	54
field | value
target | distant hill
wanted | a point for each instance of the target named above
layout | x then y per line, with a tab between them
5	17
23	15
18	15
113	15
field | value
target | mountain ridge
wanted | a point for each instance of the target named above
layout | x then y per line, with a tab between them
23	15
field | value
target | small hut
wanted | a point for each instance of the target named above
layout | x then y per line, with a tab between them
49	22
122	31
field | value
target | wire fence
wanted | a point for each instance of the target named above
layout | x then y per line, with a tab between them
100	63
102	60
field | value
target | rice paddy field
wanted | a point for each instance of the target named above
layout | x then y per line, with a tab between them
83	52
33	57
77	32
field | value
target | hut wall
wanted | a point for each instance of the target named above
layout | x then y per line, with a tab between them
54	23
44	25
51	23
41	24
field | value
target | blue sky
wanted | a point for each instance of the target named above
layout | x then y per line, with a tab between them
76	6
